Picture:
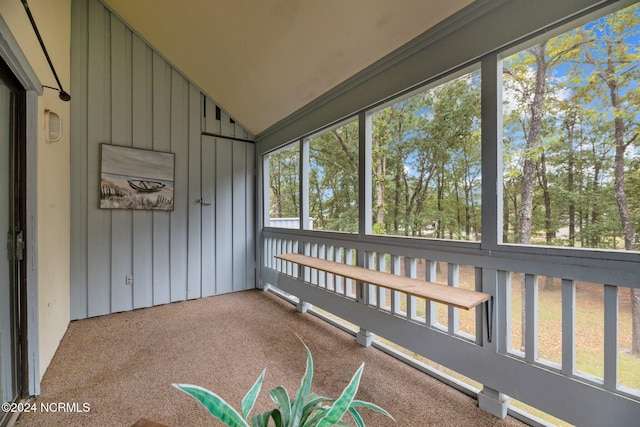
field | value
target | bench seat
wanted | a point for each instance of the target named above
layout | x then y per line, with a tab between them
449	295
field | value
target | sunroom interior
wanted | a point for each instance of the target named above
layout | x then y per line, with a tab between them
489	145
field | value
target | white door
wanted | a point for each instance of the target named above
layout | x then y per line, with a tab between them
227	203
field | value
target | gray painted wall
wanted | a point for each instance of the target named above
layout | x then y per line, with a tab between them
127	94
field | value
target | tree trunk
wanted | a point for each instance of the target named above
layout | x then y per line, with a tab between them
572	204
544	183
380	179
607	72
529	172
533	137
628	232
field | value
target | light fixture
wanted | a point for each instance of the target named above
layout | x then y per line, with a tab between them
62	94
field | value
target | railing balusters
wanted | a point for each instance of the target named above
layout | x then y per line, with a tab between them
610	337
395	295
314	273
330	277
410	270
453	279
503	312
531	317
338	280
487	279
371	292
568	327
349	284
430	273
322	276
274	251
289	248
478	287
382	293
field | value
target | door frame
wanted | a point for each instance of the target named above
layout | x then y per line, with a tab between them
18	64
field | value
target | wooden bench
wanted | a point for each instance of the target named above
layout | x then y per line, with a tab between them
464	299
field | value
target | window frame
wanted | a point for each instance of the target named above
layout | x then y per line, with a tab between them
490	65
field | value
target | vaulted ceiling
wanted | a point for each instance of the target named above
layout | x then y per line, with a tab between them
261	60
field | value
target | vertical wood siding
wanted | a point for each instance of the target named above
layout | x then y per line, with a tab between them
127	94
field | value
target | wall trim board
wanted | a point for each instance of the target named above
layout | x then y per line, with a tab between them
17	61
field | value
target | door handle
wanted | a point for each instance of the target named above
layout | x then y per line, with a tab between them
201	202
19	249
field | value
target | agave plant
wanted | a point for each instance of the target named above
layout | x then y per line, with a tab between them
306	409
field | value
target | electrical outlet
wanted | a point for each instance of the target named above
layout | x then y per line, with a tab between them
128	280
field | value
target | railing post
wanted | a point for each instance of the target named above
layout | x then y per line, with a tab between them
302	274
363	337
493	402
495	283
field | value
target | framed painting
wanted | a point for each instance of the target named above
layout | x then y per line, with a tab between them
133	178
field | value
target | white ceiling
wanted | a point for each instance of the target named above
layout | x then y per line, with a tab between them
261	60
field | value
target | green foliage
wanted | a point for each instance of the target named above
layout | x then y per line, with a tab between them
590	127
426	162
305	410
284	168
333	178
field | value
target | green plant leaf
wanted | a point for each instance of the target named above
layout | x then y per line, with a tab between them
303	391
250	398
356	417
369	405
280	396
314	402
315	419
342	404
262	420
214	404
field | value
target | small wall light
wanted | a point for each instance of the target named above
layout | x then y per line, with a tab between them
52	126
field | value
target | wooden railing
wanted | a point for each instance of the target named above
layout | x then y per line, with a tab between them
515	363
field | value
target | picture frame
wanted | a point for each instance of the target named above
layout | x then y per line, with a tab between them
136	179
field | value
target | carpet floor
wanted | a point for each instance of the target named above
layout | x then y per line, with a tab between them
116	369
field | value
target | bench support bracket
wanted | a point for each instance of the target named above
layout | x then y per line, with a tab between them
489	314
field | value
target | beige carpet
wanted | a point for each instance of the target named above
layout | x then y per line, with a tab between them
113	370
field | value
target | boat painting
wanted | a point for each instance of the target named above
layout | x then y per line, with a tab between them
133	178
145	186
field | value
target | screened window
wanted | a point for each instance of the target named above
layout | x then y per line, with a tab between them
426	163
284	187
571	148
333	178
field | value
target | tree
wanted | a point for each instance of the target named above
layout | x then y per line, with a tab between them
333	178
284	184
615	60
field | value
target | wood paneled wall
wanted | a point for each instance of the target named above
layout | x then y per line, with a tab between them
125	93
